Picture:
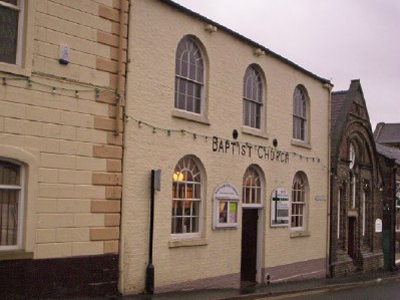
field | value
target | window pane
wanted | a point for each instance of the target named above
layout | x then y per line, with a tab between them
186	181
223	212
233	212
8	34
8	217
179	208
252	97
9	173
186	208
190	103
197	191
195	208
189	68
195	225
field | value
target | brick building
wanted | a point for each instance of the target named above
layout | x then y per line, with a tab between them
240	135
60	159
387	137
356	197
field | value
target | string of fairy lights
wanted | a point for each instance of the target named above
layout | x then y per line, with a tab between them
54	89
76	92
183	132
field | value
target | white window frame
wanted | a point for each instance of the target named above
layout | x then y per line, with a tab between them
26	27
200	216
303	203
259	203
21	206
259	99
303	118
228	224
21	8
200	84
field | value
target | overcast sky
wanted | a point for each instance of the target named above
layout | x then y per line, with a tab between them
338	40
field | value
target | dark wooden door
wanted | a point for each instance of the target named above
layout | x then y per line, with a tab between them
351	247
248	268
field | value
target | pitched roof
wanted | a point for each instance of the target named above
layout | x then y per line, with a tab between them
341	103
245	39
337	101
389	152
387	133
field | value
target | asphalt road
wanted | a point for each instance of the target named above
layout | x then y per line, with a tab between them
384	290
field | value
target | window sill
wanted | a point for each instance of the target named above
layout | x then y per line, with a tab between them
14	70
254	132
300	233
188	243
181	114
302	144
17	254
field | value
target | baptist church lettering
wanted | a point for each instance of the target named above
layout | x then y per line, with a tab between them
240	149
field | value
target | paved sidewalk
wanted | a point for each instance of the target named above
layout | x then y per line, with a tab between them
272	289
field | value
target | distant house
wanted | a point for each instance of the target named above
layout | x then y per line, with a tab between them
388	134
387	137
356	180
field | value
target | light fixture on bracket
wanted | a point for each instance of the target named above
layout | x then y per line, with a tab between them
210	28
259	52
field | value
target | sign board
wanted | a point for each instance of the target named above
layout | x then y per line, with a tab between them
279	208
227	191
320	198
226	207
378	225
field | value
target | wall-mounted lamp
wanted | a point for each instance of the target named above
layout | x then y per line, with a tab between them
259	52
210	28
178	176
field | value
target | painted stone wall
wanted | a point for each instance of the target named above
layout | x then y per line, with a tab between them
58	122
154	140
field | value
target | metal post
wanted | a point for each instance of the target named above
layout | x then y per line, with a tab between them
149	289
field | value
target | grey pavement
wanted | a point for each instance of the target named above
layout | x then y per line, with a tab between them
375	290
275	289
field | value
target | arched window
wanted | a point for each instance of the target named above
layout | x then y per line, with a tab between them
189	77
252	98
299	114
299	201
186	197
251	187
11	205
353	177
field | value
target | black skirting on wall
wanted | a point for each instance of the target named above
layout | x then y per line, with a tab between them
84	276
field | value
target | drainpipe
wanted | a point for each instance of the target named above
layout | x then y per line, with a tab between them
329	262
120	78
393	216
123	9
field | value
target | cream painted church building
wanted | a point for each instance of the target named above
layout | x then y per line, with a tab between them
240	135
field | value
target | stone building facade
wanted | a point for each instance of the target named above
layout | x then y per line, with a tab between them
387	137
356	190
60	156
240	135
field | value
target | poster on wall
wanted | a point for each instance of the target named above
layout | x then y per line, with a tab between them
226	204
279	208
378	225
